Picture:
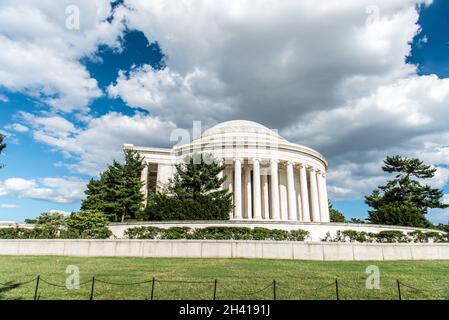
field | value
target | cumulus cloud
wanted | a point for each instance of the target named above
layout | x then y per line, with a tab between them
332	76
40	54
17	127
101	139
57	190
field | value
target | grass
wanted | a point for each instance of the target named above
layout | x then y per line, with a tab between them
237	278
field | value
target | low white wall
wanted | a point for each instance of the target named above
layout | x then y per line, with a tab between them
317	230
226	249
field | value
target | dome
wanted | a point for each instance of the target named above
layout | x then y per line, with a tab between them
240	127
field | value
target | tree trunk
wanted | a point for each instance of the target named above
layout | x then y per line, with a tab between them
123	216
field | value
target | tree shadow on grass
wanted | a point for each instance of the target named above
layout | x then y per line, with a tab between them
8	286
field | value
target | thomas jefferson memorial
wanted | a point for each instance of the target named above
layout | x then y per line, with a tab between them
271	178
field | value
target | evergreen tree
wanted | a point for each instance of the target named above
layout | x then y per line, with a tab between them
2	145
193	193
335	215
404	200
117	193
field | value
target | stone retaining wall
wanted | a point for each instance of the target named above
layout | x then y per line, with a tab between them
226	249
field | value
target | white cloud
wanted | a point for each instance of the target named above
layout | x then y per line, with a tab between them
17	127
101	140
57	190
8	206
332	76
40	55
3	98
171	96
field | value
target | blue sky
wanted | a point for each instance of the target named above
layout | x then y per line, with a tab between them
73	97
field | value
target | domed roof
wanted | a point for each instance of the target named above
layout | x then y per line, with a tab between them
240	127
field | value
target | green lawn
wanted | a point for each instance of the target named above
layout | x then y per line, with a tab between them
237	278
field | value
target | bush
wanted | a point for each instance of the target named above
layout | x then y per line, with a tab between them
15	233
269	234
164	207
391	236
176	233
424	237
87	225
216	233
143	233
298	235
386	236
223	233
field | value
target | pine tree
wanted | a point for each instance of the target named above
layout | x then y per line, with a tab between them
335	215
117	193
404	200
193	193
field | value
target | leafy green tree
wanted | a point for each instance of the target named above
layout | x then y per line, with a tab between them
193	193
2	145
404	200
399	214
118	191
88	225
48	225
357	220
335	215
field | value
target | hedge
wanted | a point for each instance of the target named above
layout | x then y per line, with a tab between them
386	236
216	233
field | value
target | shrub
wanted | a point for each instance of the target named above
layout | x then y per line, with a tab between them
223	233
355	236
298	235
176	233
215	233
269	234
164	207
143	233
390	236
424	237
87	225
387	236
15	233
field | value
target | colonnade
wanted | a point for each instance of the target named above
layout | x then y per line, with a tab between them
277	190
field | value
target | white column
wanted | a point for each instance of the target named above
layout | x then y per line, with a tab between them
144	178
237	189
314	206
265	199
291	194
304	193
248	191
221	174
274	190
256	187
324	206
230	184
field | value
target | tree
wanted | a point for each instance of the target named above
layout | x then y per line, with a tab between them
117	193
335	215
193	193
88	225
404	200
2	146
48	225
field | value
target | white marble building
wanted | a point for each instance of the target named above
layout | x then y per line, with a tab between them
271	178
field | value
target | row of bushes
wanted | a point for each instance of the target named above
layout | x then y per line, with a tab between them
216	233
387	236
38	233
79	225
